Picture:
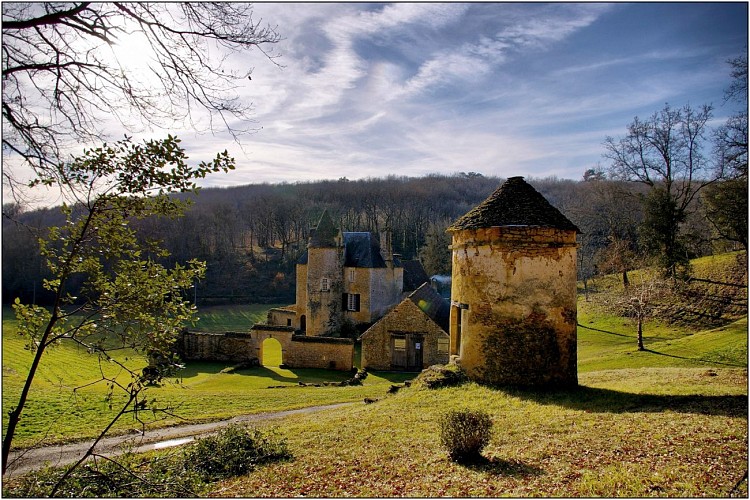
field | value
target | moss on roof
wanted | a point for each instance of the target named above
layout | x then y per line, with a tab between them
515	203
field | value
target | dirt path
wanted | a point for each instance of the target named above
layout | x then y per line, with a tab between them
24	461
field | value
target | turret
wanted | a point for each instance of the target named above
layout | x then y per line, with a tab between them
513	292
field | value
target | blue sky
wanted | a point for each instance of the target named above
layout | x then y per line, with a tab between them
527	89
532	89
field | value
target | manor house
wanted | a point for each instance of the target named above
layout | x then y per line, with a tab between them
344	280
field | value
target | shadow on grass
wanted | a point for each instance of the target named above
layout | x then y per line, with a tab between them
603	331
711	361
591	399
499	467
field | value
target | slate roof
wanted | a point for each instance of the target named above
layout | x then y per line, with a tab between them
432	304
515	203
414	275
361	249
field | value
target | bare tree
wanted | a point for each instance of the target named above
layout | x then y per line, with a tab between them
726	203
63	77
666	152
640	300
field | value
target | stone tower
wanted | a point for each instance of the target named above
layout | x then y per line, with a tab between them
513	295
325	272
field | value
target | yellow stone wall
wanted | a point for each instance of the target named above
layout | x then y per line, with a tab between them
379	289
323	308
515	288
406	317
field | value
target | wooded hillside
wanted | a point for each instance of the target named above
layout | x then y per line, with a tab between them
251	236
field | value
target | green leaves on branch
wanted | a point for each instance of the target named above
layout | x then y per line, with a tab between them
154	167
111	290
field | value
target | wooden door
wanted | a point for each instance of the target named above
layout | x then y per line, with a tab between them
398	352
406	351
414	348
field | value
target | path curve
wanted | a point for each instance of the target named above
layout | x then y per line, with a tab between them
23	461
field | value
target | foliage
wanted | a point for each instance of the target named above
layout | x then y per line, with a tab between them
465	433
130	476
666	153
127	299
726	208
435	255
234	451
437	376
658	233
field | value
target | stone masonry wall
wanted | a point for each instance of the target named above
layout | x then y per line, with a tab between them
320	352
405	317
227	347
515	288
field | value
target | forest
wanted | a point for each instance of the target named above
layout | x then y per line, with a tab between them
251	236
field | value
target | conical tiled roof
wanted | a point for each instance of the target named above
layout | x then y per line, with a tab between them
515	203
325	233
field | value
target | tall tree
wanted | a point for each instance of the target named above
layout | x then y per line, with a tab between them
127	298
726	203
666	152
64	75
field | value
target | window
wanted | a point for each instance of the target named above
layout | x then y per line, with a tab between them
399	344
442	345
351	302
325	285
351	276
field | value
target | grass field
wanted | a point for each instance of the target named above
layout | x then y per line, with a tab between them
667	421
63	406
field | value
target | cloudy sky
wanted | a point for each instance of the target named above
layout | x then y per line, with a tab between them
532	89
527	89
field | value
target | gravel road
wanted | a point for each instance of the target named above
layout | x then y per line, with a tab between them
24	461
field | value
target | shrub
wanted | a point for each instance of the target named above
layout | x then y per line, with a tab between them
127	476
234	451
465	433
437	376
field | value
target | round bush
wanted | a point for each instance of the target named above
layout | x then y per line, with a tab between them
465	433
234	451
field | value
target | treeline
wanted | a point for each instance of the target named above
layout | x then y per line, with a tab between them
251	236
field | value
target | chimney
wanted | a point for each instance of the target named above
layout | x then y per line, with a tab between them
386	247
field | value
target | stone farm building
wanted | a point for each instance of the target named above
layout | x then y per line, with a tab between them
511	318
412	336
513	290
346	281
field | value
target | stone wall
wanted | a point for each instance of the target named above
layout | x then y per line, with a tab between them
297	351
405	318
324	311
320	352
227	347
514	294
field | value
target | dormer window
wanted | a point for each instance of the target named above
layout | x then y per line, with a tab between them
351	276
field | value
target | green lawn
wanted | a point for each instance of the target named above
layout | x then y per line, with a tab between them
231	318
667	421
610	342
676	432
64	403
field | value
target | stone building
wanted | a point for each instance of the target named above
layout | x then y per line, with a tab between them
345	279
411	337
513	293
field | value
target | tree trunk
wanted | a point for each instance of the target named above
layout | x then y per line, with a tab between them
640	334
